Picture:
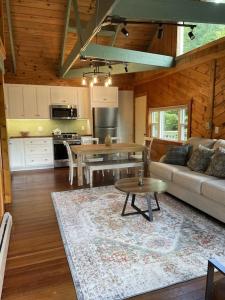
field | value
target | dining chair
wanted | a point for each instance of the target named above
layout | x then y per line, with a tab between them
88	140
72	163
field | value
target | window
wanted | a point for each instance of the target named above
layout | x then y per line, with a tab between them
169	123
204	33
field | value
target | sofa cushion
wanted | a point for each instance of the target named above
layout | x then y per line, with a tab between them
214	190
196	141
219	144
177	155
217	164
200	159
164	170
191	180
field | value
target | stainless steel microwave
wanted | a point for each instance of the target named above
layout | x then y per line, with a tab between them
63	112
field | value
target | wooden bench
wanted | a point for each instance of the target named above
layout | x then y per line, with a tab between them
112	165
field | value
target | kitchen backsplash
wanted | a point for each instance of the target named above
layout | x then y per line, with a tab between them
44	127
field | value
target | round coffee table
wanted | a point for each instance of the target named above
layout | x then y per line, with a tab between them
151	186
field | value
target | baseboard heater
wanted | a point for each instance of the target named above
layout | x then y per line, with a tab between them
5	230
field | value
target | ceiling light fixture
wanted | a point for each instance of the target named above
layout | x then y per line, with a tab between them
160	32
95	76
191	34
124	30
126	68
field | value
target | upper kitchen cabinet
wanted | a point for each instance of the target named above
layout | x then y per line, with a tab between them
27	101
83	103
30	102
43	101
15	101
104	96
63	95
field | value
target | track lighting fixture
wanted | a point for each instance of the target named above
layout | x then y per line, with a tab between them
124	30
160	32
191	34
95	76
126	68
84	81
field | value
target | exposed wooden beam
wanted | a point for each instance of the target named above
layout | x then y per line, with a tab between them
66	26
130	56
92	28
115	35
172	10
116	69
9	20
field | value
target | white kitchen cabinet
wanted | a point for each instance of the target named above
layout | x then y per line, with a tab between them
63	95
43	101
83	103
15	101
126	116
6	101
38	153
16	154
104	96
30	102
31	153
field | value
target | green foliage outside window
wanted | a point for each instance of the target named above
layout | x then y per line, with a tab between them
204	33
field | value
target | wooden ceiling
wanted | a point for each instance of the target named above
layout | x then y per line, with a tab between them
38	32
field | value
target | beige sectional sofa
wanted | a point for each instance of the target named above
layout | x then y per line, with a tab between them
204	192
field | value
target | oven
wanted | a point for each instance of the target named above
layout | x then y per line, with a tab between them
60	152
63	112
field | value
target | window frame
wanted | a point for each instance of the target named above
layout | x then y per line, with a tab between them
160	123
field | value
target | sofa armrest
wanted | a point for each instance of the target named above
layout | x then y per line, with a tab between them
162	158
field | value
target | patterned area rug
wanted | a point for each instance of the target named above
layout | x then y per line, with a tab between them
115	257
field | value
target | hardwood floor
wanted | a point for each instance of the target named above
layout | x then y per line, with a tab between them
37	266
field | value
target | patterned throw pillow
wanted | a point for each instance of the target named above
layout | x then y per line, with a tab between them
217	164
200	159
177	155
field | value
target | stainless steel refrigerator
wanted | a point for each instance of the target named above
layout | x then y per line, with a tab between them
105	121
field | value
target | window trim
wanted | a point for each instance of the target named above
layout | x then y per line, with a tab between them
180	125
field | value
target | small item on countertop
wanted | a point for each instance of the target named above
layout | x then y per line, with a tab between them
24	133
108	140
56	131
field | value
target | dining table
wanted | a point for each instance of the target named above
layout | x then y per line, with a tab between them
95	149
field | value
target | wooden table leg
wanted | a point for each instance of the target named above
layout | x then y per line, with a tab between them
79	170
145	160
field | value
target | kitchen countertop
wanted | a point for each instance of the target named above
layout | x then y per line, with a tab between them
30	136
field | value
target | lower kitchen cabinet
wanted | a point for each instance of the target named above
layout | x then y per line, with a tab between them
30	153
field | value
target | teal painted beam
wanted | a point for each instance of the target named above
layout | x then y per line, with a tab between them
77	20
195	11
92	28
116	69
103	33
130	56
66	26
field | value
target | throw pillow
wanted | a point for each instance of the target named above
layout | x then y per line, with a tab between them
218	144
217	164
200	159
177	155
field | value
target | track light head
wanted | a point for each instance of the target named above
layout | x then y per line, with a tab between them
126	68
160	32
124	30
191	34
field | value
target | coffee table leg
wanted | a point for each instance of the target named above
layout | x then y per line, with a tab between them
156	200
148	198
125	204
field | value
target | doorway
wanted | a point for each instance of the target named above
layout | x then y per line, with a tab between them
140	119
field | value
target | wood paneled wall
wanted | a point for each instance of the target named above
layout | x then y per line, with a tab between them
202	86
